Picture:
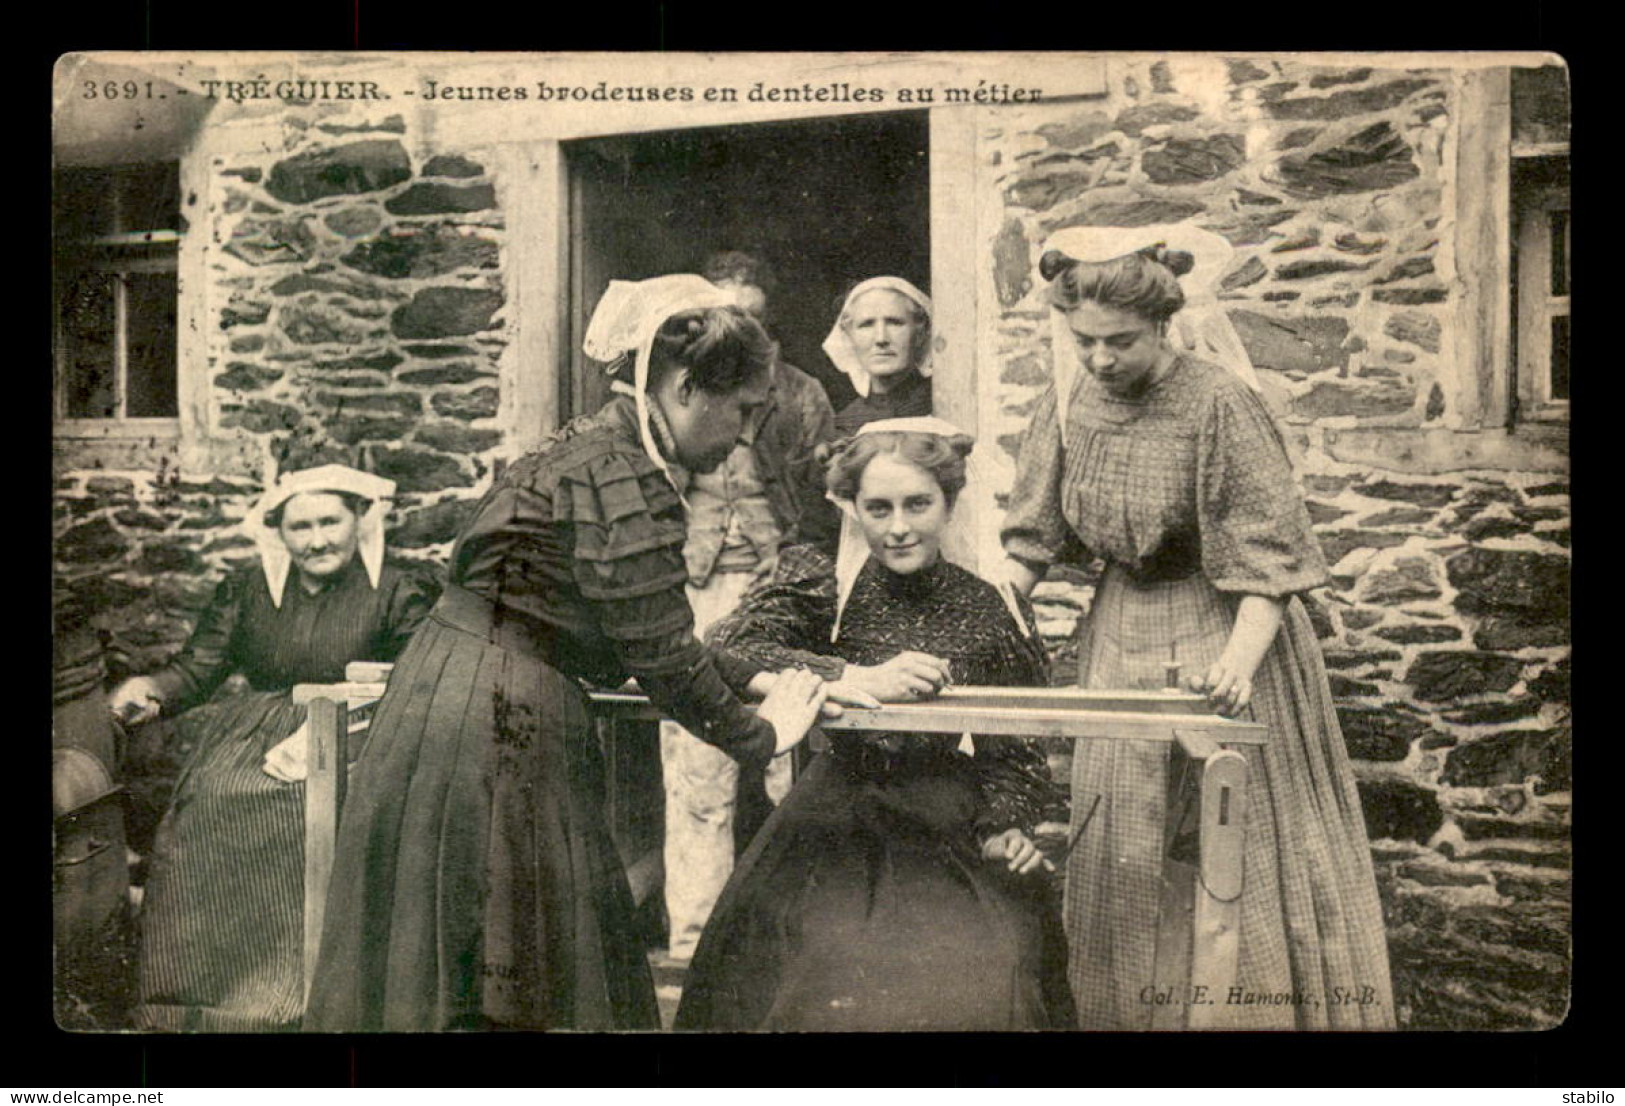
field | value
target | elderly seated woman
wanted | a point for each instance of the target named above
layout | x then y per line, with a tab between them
222	921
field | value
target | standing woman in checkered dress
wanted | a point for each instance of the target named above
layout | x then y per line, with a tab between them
1147	453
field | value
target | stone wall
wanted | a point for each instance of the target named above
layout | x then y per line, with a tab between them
353	291
1445	627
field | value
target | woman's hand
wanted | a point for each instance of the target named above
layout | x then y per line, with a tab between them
792	706
836	692
135	701
286	761
849	694
904	678
1018	849
1229	683
1226	686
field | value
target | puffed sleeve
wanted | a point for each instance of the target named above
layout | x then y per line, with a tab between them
1255	531
411	597
628	563
782	622
1035	530
1013	772
209	655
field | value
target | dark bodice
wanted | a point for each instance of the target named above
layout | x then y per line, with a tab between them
308	639
910	399
580	546
944	611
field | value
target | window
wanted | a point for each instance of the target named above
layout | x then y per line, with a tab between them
1540	242
116	232
1543	295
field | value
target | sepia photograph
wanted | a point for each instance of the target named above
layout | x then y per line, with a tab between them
818	542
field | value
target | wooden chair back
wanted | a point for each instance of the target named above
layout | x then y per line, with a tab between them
331	747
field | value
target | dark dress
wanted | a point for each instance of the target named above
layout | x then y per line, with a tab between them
1188	493
222	922
864	903
910	399
476	885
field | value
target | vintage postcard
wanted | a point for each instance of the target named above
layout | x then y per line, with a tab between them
1202	637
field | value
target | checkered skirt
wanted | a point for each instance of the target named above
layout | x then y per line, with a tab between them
1311	922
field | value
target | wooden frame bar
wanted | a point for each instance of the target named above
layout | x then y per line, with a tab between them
1198	922
1024	712
1212	887
327	760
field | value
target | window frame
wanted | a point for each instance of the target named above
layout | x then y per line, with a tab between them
1536	304
124	252
1493	383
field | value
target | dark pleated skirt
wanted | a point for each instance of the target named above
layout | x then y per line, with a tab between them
475	884
1311	921
222	920
864	905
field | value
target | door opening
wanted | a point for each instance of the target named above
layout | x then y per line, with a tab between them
825	202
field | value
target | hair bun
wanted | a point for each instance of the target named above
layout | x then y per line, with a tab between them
825	452
1178	262
1054	263
961	444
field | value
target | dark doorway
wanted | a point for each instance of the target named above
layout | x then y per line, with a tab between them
826	202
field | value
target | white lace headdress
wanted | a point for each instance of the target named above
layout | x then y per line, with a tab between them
626	320
838	345
275	559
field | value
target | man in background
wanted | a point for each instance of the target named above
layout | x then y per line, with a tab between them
769	493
